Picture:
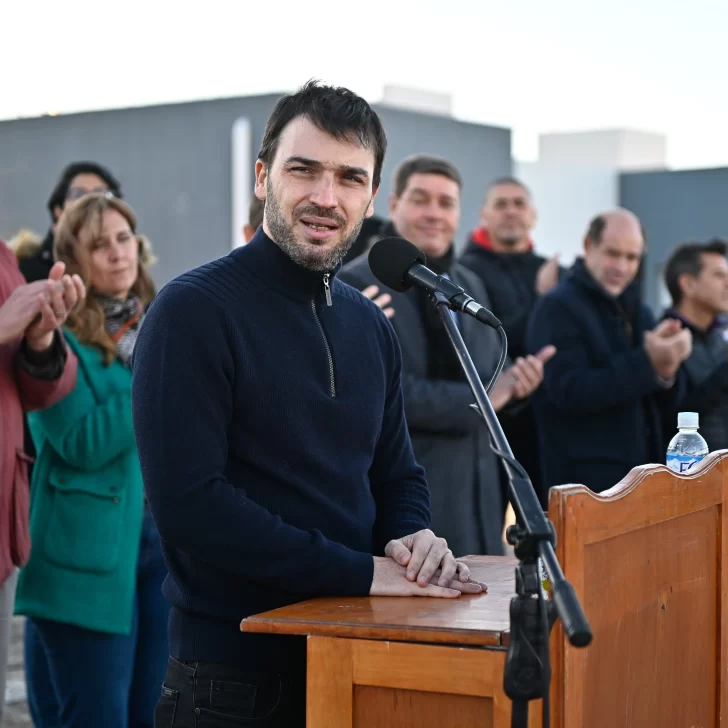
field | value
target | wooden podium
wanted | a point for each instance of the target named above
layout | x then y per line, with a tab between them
646	561
397	662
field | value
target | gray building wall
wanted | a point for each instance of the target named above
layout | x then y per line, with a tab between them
674	207
174	164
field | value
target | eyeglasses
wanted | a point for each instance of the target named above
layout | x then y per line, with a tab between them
76	193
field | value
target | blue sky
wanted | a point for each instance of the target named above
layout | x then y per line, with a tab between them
533	66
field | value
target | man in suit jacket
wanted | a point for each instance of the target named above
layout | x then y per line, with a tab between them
601	409
449	438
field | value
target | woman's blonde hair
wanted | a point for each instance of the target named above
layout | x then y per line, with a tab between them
88	321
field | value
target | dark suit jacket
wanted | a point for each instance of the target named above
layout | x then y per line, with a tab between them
601	408
450	440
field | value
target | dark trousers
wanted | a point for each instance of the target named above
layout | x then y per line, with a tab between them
81	678
206	695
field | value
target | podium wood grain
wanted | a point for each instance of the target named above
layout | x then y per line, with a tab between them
476	620
647	560
401	662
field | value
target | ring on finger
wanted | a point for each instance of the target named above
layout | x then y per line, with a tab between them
59	314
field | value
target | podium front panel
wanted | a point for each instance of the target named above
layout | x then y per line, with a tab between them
367	684
647	561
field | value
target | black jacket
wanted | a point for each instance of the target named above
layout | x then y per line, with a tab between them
706	384
449	438
601	408
38	266
510	279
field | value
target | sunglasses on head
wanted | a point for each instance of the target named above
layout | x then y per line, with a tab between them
76	193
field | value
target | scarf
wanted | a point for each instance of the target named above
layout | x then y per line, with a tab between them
122	323
482	237
442	362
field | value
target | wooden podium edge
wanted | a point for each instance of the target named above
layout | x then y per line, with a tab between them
637	475
388	632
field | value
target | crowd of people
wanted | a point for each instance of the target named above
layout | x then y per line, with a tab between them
180	460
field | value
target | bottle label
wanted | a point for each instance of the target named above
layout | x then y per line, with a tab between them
544	579
683	463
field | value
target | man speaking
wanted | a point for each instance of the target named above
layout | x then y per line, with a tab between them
270	425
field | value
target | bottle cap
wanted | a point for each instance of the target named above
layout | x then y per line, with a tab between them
688	420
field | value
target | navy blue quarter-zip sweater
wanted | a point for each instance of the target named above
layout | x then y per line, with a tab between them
273	445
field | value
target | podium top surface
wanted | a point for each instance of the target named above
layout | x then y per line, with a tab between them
473	620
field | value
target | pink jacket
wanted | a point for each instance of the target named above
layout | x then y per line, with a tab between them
19	392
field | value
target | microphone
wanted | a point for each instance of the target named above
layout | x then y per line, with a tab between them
399	265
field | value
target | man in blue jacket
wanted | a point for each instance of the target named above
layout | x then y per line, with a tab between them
696	276
270	426
600	409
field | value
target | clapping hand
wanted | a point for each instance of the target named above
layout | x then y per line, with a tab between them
667	346
58	297
547	277
382	300
528	371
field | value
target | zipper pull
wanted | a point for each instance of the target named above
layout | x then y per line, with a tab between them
327	289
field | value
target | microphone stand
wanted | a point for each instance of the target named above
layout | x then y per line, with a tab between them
527	673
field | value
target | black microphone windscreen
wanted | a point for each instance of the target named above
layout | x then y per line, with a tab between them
391	258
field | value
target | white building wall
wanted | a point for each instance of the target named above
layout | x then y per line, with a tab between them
577	177
624	149
566	197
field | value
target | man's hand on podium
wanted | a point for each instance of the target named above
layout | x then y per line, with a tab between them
390	580
421	564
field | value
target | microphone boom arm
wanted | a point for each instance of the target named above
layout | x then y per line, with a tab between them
527	676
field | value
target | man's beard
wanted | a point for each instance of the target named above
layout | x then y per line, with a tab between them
320	258
510	240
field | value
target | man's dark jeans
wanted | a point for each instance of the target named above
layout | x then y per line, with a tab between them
206	695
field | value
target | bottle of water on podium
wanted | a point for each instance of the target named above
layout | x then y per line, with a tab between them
687	447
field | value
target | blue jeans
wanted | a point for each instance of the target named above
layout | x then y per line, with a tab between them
83	678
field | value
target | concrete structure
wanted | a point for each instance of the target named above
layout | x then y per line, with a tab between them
580	174
427	102
566	198
675	207
187	169
623	149
577	175
177	166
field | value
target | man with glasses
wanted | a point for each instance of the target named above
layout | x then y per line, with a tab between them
76	180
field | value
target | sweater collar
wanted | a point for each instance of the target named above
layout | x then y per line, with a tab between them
264	259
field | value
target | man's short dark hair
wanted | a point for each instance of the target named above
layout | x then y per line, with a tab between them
506	181
424	164
686	258
596	228
334	110
58	196
255	212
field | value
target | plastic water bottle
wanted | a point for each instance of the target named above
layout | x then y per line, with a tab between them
687	447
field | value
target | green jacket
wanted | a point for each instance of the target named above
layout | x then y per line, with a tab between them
86	503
